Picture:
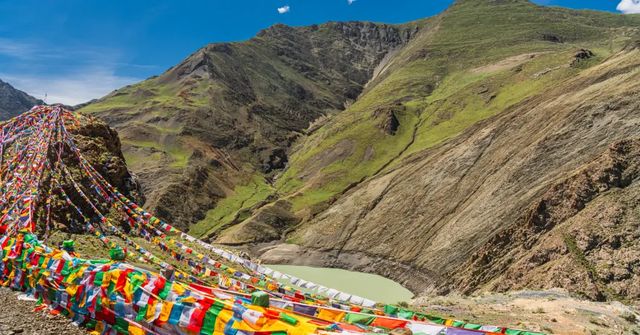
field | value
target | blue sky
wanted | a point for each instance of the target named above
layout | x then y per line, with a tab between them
76	50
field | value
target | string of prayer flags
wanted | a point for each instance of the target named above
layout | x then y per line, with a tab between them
41	166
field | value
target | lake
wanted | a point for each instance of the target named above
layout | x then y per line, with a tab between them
374	287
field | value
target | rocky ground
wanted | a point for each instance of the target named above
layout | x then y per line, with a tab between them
551	312
17	317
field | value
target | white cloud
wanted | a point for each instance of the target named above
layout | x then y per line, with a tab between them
350	2
629	6
32	51
284	9
68	75
15	49
80	86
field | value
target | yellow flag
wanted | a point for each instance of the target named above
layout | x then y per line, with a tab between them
166	311
330	315
177	288
99	327
221	321
189	299
151	310
133	330
72	289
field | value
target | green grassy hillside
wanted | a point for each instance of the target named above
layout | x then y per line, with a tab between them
477	59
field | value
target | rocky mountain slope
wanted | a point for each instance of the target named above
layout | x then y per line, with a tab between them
227	114
542	195
14	101
491	147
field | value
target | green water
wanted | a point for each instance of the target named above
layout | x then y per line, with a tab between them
374	287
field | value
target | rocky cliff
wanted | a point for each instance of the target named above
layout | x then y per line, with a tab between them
100	145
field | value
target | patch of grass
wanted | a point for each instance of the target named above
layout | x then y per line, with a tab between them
155	98
159	129
132	159
179	156
313	196
629	317
143	144
578	255
582	260
243	197
365	135
293	240
87	246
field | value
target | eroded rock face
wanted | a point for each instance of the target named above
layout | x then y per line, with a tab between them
581	235
101	146
387	119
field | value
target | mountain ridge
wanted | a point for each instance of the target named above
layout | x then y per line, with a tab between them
254	139
14	102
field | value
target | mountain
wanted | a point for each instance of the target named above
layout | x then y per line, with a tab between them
14	102
491	147
227	114
541	195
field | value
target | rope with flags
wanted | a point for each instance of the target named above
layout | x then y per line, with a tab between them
43	172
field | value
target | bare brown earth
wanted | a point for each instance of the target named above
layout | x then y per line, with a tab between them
507	63
543	195
17	317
